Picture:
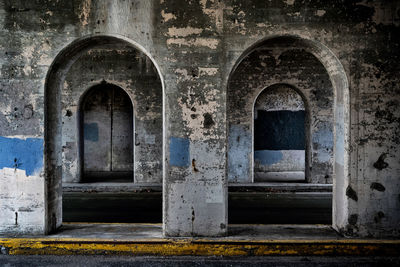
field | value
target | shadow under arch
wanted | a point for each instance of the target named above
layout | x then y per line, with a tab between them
306	124
340	85
52	116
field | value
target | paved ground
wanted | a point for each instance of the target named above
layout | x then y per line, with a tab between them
236	232
11	261
128	231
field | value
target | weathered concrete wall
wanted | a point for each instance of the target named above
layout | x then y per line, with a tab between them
355	32
132	71
195	45
195	192
22	191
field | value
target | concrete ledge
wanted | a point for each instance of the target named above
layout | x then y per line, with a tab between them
111	187
284	176
199	247
279	187
233	187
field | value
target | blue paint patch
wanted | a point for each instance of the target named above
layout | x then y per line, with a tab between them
23	154
179	152
323	155
323	143
239	151
268	157
324	138
91	132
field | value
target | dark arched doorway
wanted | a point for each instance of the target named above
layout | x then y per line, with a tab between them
106	135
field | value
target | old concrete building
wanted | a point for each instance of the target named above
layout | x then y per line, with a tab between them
199	100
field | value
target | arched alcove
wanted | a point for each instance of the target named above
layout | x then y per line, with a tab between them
316	72
280	135
61	118
106	134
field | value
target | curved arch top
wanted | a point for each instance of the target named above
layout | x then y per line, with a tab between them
294	88
319	50
84	94
78	46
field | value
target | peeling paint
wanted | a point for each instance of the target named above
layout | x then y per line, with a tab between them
85	12
193	118
289	2
320	12
208	71
167	16
194	42
183	32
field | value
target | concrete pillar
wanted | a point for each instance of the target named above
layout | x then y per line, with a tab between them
195	193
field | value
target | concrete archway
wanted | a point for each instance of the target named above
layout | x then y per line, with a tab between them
53	90
340	93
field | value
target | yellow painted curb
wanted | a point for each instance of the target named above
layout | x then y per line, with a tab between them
200	247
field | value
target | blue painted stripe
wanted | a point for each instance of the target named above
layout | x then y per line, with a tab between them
239	150
23	154
268	157
91	132
179	152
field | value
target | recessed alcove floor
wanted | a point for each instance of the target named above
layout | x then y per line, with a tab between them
153	232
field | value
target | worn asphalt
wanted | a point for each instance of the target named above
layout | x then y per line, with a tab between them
39	260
